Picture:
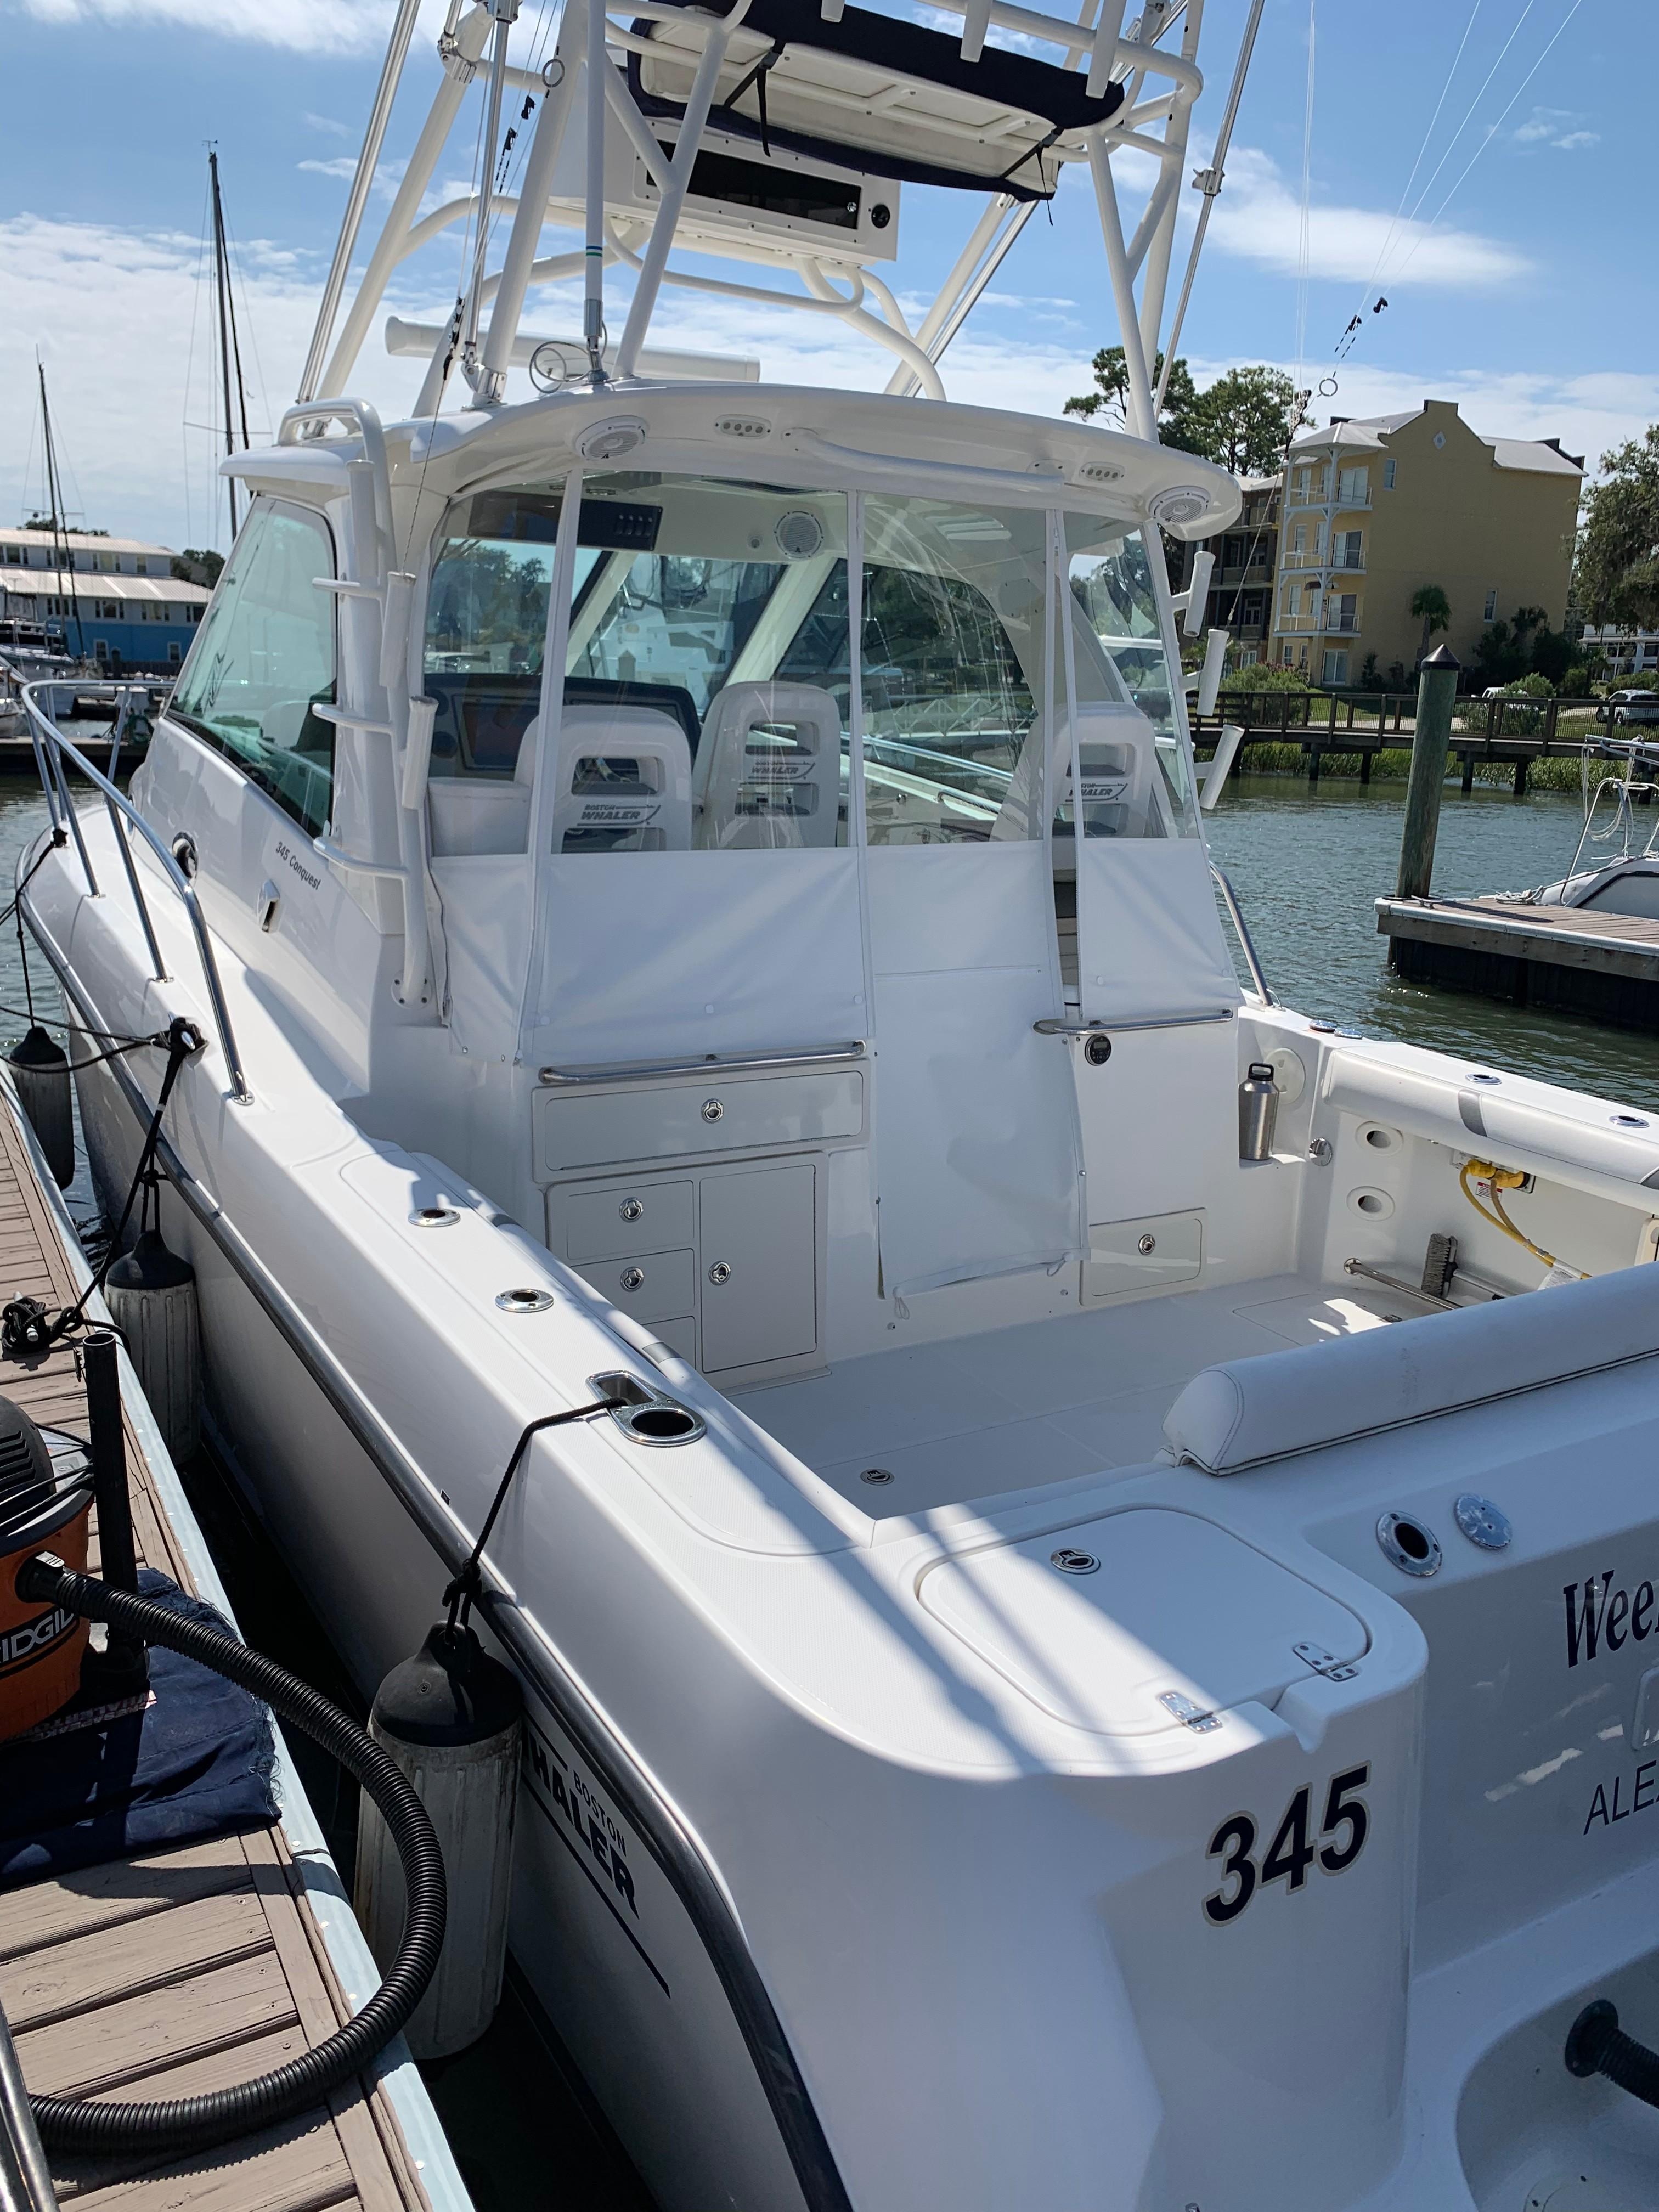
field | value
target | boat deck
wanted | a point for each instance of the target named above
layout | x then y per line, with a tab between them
1042	1402
188	1970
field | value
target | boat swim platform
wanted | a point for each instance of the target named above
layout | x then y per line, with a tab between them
184	1971
1564	959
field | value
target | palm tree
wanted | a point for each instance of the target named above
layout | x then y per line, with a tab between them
1432	603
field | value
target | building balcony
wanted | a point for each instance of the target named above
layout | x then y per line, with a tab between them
1317	626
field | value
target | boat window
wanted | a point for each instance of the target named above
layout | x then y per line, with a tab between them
952	652
263	659
486	623
705	697
1136	777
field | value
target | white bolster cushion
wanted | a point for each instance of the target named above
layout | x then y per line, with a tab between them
1247	1411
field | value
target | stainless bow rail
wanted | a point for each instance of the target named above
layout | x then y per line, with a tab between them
51	748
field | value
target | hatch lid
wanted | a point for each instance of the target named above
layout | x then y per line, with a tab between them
1175	1608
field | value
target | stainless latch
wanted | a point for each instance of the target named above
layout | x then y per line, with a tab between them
1197	1717
1326	1662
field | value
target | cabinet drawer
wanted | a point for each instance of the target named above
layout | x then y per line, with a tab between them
665	1284
617	1223
680	1121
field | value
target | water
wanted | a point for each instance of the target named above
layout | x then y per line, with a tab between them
1307	866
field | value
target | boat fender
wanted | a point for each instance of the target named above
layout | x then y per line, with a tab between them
451	1718
1597	2045
151	1295
41	1070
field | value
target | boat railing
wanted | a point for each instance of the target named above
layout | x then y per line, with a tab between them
51	748
1241	930
26	2184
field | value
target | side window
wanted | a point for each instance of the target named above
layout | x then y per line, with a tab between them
263	659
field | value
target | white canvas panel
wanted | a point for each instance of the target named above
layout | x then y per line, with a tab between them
977	1150
486	903
667	956
1149	937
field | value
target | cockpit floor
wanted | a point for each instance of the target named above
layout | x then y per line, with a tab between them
1010	1409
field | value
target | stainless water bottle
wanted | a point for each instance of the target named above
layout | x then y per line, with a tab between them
1258	1108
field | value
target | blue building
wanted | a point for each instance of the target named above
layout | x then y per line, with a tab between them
122	606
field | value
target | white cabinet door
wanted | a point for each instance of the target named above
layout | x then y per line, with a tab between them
757	1253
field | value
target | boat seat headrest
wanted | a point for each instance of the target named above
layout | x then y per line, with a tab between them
1246	1412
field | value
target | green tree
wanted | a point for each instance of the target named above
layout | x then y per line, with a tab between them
1179	423
1432	604
197	565
1616	573
1245	418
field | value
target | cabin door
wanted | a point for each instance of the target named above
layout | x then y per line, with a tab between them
977	1143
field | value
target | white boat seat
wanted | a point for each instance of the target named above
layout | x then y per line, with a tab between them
1121	791
769	768
624	780
1246	1412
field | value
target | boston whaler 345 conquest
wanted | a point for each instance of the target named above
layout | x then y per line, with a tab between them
1089	1643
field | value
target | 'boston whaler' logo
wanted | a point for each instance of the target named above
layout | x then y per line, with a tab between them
1599	1614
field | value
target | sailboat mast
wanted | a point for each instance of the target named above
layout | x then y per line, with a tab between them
228	338
60	545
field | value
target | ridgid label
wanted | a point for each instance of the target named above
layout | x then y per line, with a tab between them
1603	1615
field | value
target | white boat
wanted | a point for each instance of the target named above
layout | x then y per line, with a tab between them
1096	1653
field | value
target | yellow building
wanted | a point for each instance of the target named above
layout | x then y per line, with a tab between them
1374	510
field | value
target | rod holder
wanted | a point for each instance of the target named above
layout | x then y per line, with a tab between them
107	1441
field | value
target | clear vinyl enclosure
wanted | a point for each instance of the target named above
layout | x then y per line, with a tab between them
709	671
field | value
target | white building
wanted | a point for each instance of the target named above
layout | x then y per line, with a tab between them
1626	652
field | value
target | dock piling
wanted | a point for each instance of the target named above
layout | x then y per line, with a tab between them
1436	693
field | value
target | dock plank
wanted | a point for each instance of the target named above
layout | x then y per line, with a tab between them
122	2042
103	1896
178	1972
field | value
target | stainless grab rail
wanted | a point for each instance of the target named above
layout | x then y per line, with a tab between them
1242	930
122	812
648	1071
670	1842
1111	1026
25	2173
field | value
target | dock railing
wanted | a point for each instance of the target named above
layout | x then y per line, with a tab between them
51	747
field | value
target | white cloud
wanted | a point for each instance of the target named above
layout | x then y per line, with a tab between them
1555	126
319	26
328	126
343	165
1259	218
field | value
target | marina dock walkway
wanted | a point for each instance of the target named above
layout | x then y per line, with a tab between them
1565	957
189	1969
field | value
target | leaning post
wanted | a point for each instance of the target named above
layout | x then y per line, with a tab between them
1437	694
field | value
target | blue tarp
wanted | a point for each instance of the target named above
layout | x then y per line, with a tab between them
197	1761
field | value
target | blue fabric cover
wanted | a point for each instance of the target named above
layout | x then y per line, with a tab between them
197	1761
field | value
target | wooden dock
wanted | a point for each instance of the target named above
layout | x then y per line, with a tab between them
1563	958
188	1970
1509	733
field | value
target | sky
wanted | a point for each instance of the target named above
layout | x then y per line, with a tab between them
1481	164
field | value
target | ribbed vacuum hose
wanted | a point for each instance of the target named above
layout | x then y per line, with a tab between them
1597	2045
194	2123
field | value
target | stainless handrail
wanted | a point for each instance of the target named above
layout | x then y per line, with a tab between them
648	1071
666	1835
57	745
1050	1026
1230	898
25	2173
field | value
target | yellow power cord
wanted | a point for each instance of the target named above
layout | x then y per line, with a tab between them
1502	1179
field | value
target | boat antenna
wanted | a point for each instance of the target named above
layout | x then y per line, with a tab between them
59	520
229	344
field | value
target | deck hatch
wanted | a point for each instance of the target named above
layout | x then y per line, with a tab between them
1181	1618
